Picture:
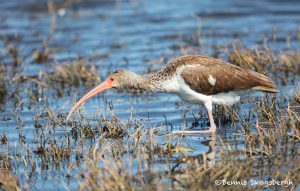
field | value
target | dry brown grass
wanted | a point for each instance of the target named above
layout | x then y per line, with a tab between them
75	74
8	181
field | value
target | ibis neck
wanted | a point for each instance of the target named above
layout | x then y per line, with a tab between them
143	83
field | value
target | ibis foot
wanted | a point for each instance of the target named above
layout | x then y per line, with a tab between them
211	130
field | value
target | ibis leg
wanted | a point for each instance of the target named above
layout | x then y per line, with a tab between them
212	128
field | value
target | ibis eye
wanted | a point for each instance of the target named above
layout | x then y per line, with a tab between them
111	79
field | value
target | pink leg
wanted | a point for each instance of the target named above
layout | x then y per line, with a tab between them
212	128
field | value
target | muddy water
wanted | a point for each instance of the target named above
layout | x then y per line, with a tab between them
134	35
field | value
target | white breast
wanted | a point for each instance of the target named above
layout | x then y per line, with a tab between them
178	86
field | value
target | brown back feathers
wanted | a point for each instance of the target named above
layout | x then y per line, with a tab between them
212	76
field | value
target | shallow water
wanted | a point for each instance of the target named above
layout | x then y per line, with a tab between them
131	33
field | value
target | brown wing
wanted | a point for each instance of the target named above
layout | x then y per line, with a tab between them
227	77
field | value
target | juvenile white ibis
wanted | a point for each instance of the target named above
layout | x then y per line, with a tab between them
195	79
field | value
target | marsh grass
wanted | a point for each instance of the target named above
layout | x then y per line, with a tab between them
75	74
8	181
271	152
14	83
108	153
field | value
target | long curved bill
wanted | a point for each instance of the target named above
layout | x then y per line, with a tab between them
98	89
